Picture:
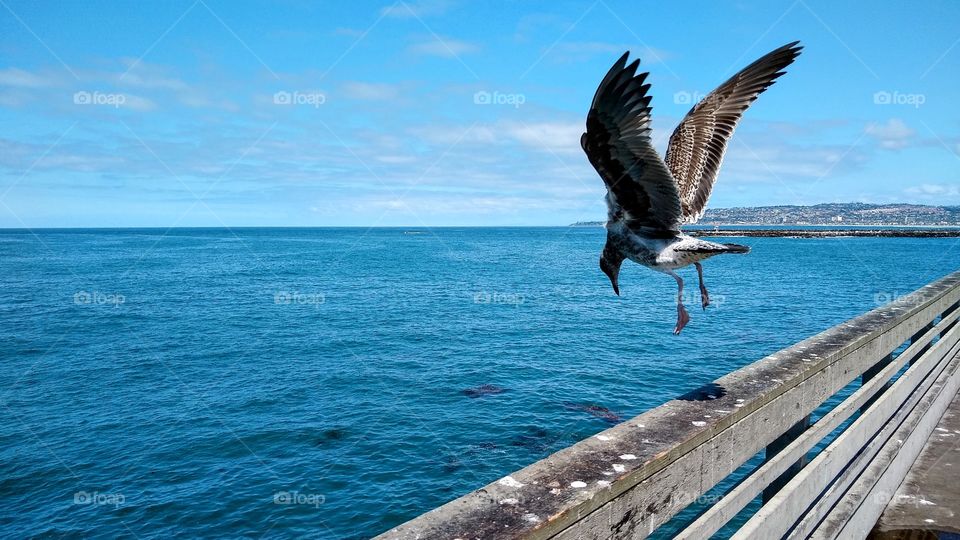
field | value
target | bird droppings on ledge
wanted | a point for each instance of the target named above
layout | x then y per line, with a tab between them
531	518
628	457
603	438
578	484
509	481
619	467
603	483
699	423
510	501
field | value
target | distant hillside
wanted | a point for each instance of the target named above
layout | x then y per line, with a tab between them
829	214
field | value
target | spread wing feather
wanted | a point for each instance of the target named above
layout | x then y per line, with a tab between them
640	189
696	147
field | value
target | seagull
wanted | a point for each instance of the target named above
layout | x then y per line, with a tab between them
649	198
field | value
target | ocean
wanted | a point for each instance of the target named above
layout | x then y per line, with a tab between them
328	383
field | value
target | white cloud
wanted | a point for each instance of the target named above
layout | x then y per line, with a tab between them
24	79
423	8
557	137
369	91
893	134
443	47
138	103
934	190
586	50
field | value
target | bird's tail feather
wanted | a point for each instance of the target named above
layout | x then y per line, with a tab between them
711	247
736	248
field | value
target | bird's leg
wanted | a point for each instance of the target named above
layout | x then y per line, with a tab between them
704	296
682	317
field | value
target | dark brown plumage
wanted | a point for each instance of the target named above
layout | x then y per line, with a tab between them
697	145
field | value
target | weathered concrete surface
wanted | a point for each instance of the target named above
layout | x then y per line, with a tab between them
830	233
928	500
626	481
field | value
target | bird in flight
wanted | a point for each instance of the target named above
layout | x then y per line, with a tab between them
649	198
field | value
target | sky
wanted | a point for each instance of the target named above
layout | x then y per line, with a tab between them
448	112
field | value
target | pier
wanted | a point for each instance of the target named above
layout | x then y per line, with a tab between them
849	433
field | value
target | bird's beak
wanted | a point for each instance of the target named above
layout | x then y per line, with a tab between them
616	287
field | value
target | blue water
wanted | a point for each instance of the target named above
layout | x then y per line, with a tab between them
309	382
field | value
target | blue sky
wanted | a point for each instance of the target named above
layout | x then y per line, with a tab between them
215	112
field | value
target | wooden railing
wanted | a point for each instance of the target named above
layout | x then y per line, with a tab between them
629	480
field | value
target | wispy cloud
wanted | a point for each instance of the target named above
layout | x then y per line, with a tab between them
583	51
443	47
893	134
931	192
369	91
423	8
25	79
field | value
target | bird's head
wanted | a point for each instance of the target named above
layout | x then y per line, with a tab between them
612	269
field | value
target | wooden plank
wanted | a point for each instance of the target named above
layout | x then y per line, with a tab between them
947	312
873	372
834	494
659	497
551	495
776	517
749	488
928	498
860	509
777	446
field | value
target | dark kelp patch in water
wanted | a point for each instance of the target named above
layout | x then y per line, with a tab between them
594	410
484	390
534	438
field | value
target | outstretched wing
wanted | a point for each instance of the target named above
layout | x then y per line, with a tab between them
697	146
640	189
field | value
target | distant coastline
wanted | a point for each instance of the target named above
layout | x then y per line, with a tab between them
833	215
